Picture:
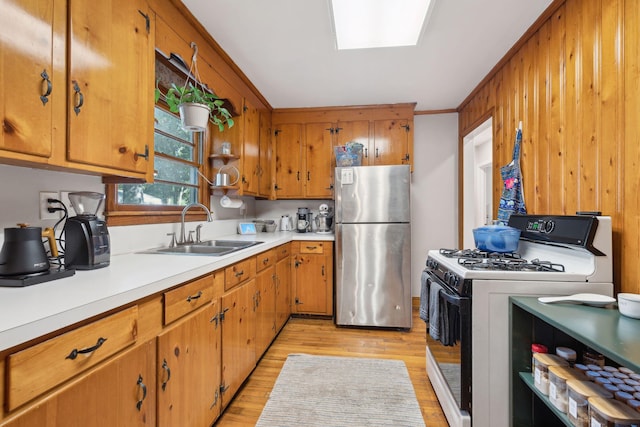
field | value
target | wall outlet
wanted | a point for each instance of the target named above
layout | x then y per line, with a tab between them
44	205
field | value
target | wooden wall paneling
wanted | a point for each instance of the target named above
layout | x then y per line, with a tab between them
556	177
630	279
572	129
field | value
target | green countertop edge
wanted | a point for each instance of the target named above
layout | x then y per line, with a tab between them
603	329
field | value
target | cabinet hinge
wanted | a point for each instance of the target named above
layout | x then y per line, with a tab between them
406	127
338	130
223	388
331	130
222	314
277	131
146	18
406	157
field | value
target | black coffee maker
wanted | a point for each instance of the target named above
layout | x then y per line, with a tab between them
87	244
303	220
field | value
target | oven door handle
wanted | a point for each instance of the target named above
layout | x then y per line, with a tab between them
452	298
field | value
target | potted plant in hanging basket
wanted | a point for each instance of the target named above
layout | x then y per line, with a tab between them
196	106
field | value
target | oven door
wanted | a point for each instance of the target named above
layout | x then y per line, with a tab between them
449	366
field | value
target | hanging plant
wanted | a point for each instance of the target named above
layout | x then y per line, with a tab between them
194	98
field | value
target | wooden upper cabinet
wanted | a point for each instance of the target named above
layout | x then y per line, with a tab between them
353	131
27	77
250	149
111	84
288	161
390	143
265	169
318	173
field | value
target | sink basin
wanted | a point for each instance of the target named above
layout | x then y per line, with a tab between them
227	243
208	247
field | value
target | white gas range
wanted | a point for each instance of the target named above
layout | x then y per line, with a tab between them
557	255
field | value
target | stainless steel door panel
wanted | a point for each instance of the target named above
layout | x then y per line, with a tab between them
372	194
373	265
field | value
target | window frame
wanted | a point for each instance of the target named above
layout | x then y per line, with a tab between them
117	214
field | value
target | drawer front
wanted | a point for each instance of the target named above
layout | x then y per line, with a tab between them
187	298
35	370
283	251
265	259
311	247
239	272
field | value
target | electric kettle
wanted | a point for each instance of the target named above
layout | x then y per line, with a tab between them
22	251
285	223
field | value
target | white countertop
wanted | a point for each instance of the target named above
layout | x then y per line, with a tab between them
32	311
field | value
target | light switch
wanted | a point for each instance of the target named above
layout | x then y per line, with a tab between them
347	176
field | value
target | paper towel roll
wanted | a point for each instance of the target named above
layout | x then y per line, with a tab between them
227	202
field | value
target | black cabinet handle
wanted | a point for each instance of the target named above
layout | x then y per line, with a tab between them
308	175
144	392
165	366
239	273
75	352
78	98
45	78
194	297
366	153
215	319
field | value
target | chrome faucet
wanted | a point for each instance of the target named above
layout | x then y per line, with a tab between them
184	211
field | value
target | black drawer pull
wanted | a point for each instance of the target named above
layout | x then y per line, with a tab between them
75	352
144	392
239	273
194	297
265	261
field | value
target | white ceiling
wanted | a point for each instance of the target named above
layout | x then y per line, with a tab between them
287	49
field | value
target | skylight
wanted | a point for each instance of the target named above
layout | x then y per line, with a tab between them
361	24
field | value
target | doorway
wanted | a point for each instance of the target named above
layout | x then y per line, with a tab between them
477	180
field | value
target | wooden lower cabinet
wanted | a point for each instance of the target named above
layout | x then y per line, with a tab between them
265	309
312	287
283	291
188	370
238	311
120	393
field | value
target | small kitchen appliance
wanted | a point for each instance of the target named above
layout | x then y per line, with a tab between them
285	223
23	259
303	222
324	219
87	244
556	255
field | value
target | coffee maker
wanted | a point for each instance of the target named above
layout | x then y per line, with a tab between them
87	244
303	220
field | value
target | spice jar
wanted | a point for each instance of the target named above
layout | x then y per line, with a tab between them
611	413
590	357
541	363
558	376
578	393
537	348
567	354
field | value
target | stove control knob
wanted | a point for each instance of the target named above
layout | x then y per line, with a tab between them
549	226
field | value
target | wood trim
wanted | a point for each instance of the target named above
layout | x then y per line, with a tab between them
534	28
427	112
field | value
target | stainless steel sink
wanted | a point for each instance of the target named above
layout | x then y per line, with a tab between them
208	247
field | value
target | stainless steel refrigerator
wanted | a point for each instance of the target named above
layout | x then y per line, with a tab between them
373	246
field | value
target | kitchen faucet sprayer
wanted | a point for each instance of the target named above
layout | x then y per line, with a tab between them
184	211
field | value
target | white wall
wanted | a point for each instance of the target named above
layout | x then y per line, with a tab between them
434	189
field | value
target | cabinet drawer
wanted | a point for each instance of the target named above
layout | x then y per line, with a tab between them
239	272
283	251
34	370
187	298
311	247
265	259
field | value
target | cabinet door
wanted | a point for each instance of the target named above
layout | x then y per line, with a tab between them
288	161
26	71
251	149
120	393
311	295
354	131
264	160
265	309
283	292
188	369
318	160
111	84
238	338
391	141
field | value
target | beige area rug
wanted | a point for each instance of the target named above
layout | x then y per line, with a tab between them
341	391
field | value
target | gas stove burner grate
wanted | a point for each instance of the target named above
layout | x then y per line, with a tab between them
478	254
546	265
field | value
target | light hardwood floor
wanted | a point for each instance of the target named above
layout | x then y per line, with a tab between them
313	336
